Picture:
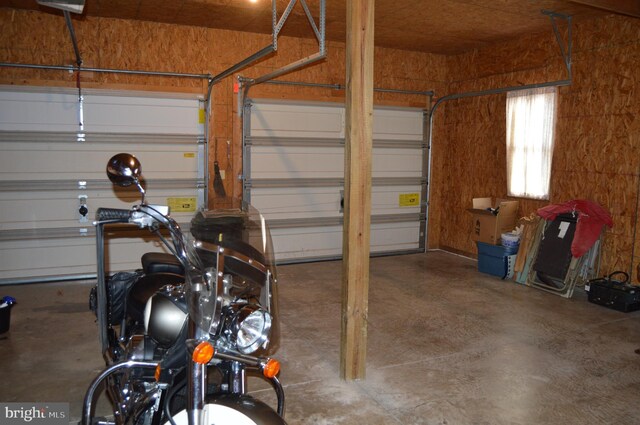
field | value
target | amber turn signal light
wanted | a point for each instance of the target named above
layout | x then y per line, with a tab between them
203	353
157	373
271	368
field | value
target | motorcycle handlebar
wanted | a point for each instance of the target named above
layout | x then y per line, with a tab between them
113	215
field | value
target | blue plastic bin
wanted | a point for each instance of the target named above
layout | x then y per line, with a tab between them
492	259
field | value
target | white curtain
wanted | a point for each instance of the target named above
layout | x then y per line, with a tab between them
531	121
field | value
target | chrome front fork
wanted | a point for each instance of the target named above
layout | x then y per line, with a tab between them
237	378
196	389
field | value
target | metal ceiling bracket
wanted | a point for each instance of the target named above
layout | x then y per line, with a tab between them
277	25
318	29
72	33
282	20
565	51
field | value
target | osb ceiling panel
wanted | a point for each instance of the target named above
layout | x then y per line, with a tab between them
435	26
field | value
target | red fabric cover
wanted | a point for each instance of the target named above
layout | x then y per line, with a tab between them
591	218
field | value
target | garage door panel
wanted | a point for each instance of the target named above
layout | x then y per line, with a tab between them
283	120
386	200
299	162
303	202
124	114
314	242
397	124
33	111
297	203
326	241
395	237
57	112
72	161
397	162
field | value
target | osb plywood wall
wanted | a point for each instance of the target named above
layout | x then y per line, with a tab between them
597	151
40	38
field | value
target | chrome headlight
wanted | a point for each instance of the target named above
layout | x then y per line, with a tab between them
165	316
252	326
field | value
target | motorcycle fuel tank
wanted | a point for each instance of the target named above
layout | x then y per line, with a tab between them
165	316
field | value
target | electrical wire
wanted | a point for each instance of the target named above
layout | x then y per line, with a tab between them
167	411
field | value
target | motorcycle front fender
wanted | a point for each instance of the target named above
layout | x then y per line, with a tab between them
232	409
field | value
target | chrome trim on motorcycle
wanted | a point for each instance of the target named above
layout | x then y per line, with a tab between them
235	254
237	378
256	362
196	389
277	386
88	398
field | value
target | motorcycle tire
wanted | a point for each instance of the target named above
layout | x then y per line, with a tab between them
231	409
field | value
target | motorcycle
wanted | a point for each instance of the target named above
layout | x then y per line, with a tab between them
181	336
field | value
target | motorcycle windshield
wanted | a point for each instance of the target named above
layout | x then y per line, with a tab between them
236	268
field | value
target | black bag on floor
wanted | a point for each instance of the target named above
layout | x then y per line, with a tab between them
613	293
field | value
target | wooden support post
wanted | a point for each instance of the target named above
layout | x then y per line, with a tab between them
357	185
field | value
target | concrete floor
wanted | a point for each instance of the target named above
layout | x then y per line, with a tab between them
447	345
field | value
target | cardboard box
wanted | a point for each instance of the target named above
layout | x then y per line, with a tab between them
487	226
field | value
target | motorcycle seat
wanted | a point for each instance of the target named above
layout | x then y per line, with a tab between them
144	288
159	262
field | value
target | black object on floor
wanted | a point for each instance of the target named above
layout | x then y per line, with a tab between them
614	294
5	313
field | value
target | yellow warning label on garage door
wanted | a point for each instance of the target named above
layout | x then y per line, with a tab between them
182	204
409	200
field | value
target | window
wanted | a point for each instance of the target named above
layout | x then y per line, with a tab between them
531	119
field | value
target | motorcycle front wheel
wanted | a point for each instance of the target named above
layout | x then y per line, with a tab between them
233	410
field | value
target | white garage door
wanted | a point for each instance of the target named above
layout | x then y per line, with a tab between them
294	162
50	168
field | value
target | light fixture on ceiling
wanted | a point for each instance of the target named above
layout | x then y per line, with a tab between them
75	6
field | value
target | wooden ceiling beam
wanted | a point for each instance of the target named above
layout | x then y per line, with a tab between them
623	7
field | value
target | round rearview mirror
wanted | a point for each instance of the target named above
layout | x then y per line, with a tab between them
123	169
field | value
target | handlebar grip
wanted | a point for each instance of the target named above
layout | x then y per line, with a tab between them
113	215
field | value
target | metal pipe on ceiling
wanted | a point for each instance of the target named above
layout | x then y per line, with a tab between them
566	55
400	91
72	33
301	83
243	63
289	68
71	68
500	90
341	87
